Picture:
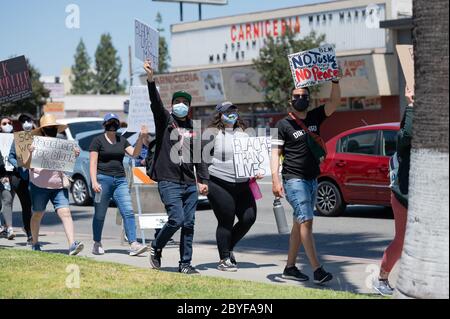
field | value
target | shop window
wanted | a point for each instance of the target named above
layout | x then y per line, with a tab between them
311	19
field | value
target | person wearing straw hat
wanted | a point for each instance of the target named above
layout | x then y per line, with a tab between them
47	185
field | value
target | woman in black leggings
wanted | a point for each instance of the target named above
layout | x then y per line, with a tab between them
230	197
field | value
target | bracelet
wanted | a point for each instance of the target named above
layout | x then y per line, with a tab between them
335	81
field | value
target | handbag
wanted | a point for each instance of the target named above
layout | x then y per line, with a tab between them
315	143
254	187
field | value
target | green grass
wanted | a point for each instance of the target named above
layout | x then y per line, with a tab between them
26	274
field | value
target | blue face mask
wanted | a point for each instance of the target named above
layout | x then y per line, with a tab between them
180	110
230	119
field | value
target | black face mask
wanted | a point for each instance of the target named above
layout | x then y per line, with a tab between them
112	127
300	105
50	131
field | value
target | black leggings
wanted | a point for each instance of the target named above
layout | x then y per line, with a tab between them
22	191
230	200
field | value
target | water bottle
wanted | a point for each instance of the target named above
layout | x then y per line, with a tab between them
98	196
280	217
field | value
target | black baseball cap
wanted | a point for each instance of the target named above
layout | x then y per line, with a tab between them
24	116
225	106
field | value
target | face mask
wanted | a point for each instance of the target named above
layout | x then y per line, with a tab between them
300	105
50	131
27	126
7	128
112	127
180	110
230	119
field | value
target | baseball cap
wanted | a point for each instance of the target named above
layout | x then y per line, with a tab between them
184	94
25	116
110	116
224	106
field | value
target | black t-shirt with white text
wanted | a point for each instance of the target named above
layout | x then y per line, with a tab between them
298	162
110	156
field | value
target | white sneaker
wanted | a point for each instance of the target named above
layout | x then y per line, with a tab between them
10	233
383	287
136	249
98	249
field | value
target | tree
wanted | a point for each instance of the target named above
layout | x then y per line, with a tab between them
107	66
273	65
82	76
424	266
35	102
163	47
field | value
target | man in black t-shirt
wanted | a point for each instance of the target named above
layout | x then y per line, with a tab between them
178	177
300	172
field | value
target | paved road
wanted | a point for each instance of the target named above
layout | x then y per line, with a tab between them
348	243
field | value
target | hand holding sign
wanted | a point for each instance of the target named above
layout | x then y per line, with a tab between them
149	70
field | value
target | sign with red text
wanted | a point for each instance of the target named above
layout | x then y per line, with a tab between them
15	82
314	66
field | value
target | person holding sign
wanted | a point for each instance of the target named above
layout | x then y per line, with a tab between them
6	180
300	172
49	185
22	186
173	168
109	181
229	195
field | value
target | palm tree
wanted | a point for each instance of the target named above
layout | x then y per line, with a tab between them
424	266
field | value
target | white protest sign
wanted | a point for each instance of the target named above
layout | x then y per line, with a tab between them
146	43
53	154
251	156
6	140
139	112
314	66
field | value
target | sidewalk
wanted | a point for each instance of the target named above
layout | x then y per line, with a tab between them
350	274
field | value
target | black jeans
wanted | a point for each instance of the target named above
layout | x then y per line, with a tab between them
21	187
228	201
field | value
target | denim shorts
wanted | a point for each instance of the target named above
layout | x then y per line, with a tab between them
41	196
301	194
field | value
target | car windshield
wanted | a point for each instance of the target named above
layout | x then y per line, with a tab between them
81	127
84	143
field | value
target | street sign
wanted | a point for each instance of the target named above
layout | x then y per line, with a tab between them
214	2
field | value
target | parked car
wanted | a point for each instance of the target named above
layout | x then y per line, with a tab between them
356	170
79	125
81	187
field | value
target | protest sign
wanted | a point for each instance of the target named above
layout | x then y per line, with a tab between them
406	57
251	156
15	82
314	66
22	141
139	112
53	154
6	141
146	43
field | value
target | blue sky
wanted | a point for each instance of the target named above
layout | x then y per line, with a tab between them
36	28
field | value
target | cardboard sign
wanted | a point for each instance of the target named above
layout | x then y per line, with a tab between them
406	57
6	140
15	82
139	112
53	154
314	66
251	156
146	43
22	140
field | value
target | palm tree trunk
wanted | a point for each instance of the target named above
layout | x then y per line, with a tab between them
424	266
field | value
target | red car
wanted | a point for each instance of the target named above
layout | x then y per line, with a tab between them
356	170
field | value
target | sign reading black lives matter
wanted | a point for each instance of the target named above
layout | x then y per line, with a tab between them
252	156
15	82
53	154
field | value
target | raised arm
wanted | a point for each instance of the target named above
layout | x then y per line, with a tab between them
159	111
335	99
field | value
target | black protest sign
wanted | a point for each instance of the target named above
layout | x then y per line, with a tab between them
15	81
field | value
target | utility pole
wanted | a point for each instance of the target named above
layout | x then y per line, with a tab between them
200	11
130	65
181	11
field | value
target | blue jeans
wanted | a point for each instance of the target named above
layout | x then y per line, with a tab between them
117	189
302	195
180	201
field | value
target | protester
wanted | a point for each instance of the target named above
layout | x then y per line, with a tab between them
300	172
399	166
6	180
21	187
175	173
48	185
229	196
108	178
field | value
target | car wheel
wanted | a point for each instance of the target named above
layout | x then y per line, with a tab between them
80	192
329	200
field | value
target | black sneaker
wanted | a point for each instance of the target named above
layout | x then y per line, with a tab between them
155	258
227	265
187	269
294	273
321	276
232	258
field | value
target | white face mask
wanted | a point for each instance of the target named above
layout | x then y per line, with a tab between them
7	128
27	126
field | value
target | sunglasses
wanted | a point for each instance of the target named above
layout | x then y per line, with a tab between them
300	96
